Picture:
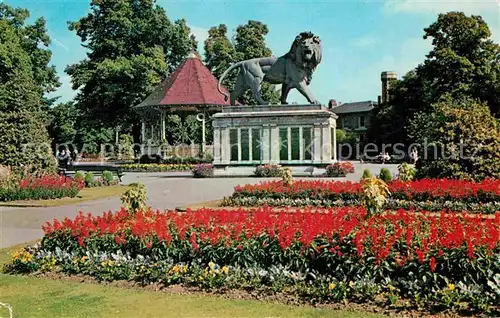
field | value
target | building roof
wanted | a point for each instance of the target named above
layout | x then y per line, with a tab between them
192	84
356	107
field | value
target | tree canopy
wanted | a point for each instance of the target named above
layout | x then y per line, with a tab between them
23	79
133	46
249	42
464	62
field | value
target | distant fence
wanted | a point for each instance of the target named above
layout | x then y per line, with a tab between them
181	151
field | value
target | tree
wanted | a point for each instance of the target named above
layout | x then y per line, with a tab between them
249	42
132	47
34	39
464	61
460	138
24	139
62	127
220	53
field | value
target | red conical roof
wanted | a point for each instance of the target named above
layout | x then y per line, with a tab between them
191	84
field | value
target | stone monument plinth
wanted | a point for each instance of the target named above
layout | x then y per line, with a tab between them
301	135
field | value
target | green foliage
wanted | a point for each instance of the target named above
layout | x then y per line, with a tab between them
462	138
35	41
24	77
406	172
249	42
464	61
125	147
134	199
79	175
367	174
132	46
108	177
385	175
63	119
89	179
340	135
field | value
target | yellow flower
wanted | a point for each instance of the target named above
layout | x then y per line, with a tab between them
351	284
225	269
331	286
103	263
451	287
84	258
201	277
211	265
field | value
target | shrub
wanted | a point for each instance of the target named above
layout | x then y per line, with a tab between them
268	171
89	179
385	175
134	199
366	174
339	169
203	170
150	158
375	192
287	177
406	172
463	140
80	176
108	177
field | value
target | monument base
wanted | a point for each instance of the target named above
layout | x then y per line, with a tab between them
291	135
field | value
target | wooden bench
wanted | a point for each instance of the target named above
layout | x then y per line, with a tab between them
88	167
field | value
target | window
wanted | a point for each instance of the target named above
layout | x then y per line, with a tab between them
233	141
245	145
284	144
361	121
256	144
307	143
295	144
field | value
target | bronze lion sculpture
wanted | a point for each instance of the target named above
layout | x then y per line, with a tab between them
292	70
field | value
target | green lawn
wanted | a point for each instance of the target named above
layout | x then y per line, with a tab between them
86	194
38	297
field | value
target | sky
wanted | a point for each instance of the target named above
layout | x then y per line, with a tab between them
360	38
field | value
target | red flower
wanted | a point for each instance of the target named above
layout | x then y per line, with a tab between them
432	264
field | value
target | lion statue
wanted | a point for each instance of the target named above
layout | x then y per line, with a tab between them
292	70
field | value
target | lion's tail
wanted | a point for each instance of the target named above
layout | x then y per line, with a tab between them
226	96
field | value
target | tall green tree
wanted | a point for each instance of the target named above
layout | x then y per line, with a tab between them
249	42
464	62
132	47
33	39
24	140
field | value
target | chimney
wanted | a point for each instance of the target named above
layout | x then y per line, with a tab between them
332	103
387	79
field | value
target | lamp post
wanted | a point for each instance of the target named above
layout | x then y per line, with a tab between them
201	118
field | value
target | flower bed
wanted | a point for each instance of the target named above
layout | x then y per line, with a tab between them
268	171
204	170
41	188
339	169
446	261
156	167
433	195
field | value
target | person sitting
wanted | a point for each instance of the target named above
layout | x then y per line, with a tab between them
384	157
63	161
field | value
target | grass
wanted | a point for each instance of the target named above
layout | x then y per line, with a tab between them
39	297
86	194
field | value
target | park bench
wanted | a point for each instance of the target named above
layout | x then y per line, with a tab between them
94	168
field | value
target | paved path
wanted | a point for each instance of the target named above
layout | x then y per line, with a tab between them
165	190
